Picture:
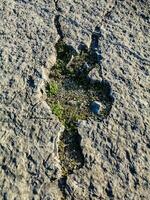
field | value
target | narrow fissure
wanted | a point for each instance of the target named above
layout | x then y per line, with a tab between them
57	20
58	26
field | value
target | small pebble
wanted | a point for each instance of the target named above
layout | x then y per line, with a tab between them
96	107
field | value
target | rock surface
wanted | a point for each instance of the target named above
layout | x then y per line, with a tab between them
117	150
94	76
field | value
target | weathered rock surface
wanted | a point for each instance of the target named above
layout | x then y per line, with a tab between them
117	150
94	76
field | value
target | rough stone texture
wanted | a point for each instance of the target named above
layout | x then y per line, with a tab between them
94	76
117	150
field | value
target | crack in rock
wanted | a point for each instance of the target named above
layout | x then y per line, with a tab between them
56	20
70	94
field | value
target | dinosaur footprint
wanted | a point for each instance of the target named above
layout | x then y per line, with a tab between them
77	91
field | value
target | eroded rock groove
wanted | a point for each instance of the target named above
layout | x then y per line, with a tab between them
75	91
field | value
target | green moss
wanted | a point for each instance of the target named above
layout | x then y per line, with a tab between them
57	109
52	88
73	113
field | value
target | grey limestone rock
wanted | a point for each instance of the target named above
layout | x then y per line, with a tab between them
116	150
94	76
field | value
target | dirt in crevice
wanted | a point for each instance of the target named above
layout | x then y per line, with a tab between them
70	94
